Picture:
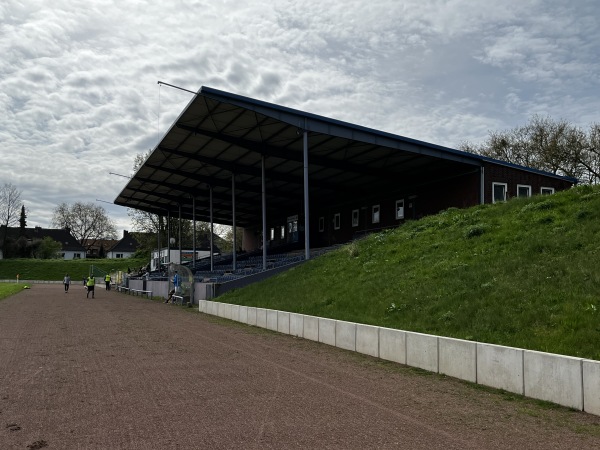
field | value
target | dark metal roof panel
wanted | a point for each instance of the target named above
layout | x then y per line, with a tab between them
219	134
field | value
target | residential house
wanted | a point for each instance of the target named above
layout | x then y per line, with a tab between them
16	238
125	248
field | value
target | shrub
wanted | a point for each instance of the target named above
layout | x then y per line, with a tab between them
474	231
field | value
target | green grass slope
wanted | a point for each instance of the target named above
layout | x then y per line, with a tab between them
523	273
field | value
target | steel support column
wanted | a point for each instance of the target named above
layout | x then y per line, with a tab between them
212	260
306	206
264	213
233	221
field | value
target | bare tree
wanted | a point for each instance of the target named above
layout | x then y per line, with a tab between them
10	204
546	144
146	224
591	157
86	221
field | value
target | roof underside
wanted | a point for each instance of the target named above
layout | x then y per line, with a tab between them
220	134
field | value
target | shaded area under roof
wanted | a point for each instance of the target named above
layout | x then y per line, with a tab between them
219	134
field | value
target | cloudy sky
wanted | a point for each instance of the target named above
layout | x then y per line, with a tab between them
79	92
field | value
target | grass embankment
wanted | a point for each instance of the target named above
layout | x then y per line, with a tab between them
523	273
55	269
8	289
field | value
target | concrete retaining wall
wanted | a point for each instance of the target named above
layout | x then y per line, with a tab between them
555	378
564	380
458	358
422	351
500	367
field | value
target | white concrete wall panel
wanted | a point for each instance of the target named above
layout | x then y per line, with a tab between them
345	335
327	331
311	328
251	316
283	322
392	345
367	340
261	317
235	313
297	325
591	387
243	314
458	358
422	351
555	378
202	306
500	367
272	319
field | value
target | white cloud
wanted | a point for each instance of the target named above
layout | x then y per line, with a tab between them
78	80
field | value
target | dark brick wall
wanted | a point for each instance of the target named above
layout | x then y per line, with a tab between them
513	177
460	191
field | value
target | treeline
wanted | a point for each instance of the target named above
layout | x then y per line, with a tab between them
555	146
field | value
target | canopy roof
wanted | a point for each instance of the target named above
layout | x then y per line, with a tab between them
219	134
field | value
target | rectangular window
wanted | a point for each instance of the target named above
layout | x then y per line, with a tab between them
498	192
547	191
272	234
523	190
355	217
375	215
282	232
321	224
336	221
119	255
400	209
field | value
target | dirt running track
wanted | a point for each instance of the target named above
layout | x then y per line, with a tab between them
121	372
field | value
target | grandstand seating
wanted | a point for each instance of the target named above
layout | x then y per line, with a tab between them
246	264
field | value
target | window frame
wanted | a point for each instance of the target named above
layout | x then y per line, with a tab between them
399	216
519	186
321	224
355	217
337	223
376	214
494	184
550	189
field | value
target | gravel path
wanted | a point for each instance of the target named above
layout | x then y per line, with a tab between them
121	372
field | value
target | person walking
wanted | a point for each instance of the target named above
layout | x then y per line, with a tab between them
91	281
176	289
107	281
67	282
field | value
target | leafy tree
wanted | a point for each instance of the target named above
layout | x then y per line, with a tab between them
22	247
87	222
228	239
48	248
23	220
